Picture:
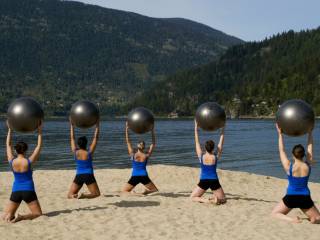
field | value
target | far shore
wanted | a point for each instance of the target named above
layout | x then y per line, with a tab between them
160	117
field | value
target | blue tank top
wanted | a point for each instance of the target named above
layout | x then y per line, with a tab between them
84	166
298	185
23	181
208	171
139	168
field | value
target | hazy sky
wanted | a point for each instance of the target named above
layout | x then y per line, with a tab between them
246	19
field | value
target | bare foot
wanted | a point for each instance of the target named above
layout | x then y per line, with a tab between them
146	191
296	220
214	200
8	217
17	219
80	196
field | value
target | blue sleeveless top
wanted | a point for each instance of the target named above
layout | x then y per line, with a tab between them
298	185
23	181
84	166
139	168
208	171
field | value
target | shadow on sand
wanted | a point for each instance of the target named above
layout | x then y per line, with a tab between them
56	213
239	197
171	194
128	204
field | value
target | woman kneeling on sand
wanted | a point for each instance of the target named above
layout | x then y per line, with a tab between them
139	161
209	176
83	158
298	193
23	185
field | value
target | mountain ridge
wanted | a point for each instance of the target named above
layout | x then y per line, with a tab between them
251	79
61	51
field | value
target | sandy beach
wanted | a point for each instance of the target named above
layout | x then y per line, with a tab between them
168	214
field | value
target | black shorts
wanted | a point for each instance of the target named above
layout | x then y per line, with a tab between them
298	201
27	196
87	179
135	180
213	184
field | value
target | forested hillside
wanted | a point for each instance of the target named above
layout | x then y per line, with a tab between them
62	51
249	79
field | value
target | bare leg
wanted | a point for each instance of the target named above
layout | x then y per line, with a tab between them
127	190
74	189
150	188
10	211
219	197
281	210
35	209
313	214
94	191
196	195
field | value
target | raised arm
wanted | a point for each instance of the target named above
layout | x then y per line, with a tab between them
130	149
72	139
283	156
9	143
196	139
95	138
221	142
36	152
153	144
310	149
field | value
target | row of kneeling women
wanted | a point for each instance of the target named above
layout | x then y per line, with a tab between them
23	189
294	117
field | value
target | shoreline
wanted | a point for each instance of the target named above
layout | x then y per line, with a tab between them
159	117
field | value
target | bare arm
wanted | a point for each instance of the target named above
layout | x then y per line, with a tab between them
130	149
72	139
95	138
196	139
283	156
310	149
221	142
153	144
36	152
9	144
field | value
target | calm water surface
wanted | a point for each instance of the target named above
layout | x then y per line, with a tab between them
250	145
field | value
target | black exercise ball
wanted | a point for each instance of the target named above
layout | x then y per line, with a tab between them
140	120
25	114
210	116
84	114
295	117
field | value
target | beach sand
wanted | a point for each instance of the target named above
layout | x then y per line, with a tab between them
168	214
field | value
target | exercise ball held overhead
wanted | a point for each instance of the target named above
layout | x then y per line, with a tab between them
25	114
140	120
84	114
210	116
295	117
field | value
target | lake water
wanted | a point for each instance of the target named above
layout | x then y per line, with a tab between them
250	146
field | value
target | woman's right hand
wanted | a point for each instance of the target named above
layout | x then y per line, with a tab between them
40	127
8	125
279	130
71	123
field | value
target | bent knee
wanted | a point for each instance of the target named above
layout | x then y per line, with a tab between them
315	220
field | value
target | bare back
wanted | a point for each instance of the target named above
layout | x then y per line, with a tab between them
82	154
208	159
20	165
300	169
140	157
